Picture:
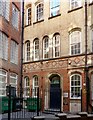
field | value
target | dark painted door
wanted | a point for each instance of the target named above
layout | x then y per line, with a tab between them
55	94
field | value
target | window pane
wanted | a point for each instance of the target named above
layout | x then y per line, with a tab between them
36	49
14	52
75	42
39	10
4	9
54	7
15	16
75	86
75	3
56	45
3	46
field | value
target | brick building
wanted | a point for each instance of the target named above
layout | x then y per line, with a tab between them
54	53
10	44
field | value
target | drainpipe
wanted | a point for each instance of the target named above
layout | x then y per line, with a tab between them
86	66
22	38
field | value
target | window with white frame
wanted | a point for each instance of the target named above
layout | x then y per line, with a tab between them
75	4
39	11
54	7
14	52
36	49
15	16
35	86
28	16
46	47
4	9
26	86
3	46
3	82
27	50
75	86
92	39
56	45
13	79
75	43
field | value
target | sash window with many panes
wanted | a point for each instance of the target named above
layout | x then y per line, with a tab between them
75	43
35	86
75	86
39	11
56	45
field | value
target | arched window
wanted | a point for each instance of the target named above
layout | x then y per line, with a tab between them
56	45
35	86
75	43
36	49
26	86
75	86
27	50
3	82
46	47
39	11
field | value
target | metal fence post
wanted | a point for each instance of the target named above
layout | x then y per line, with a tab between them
9	102
38	101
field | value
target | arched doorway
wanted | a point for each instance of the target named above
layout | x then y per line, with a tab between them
55	92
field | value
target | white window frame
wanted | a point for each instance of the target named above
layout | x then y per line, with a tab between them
15	17
75	40
4	9
55	9
13	76
46	47
26	87
28	16
56	45
14	52
27	50
79	86
35	86
39	11
36	49
1	81
79	3
3	46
